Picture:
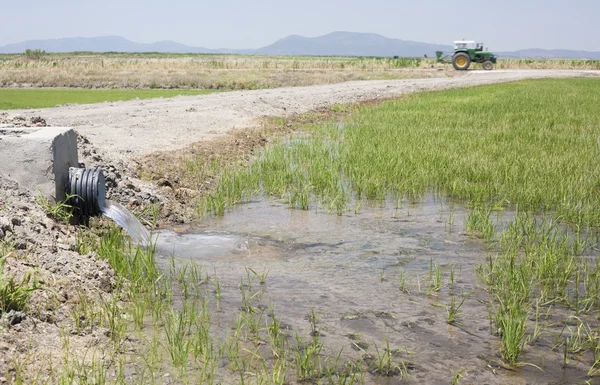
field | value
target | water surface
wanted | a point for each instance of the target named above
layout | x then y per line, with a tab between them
350	270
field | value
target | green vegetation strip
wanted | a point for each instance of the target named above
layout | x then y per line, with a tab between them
17	98
533	144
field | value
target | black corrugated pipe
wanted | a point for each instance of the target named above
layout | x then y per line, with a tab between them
86	190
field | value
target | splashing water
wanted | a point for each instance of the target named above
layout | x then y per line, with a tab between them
127	221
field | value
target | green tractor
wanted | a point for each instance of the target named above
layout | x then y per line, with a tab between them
467	52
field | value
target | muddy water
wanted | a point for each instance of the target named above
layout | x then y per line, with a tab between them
348	269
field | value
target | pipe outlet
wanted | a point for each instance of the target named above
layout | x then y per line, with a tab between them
87	192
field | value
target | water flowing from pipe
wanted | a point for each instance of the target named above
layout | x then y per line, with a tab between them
127	221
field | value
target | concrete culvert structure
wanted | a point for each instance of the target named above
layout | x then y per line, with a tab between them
38	158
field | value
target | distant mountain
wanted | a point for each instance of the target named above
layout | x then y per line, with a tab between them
351	44
101	44
332	44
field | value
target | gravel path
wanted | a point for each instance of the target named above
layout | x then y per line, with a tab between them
137	127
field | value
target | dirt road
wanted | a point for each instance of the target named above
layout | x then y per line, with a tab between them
132	128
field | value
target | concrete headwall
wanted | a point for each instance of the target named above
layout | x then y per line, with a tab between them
38	159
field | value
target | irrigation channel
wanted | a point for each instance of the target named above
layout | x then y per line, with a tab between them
381	279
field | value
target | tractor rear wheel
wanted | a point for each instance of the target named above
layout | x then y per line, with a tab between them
461	61
487	65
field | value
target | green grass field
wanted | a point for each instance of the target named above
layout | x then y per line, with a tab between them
16	98
532	143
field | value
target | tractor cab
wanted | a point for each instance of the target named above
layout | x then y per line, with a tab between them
463	45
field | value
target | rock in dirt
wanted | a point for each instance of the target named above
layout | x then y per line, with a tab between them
22	121
162	182
15	317
5	224
185	194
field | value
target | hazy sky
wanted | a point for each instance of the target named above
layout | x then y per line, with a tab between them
502	25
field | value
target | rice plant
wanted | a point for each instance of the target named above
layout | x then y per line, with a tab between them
453	310
15	292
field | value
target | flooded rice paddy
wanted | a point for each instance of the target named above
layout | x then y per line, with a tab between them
381	280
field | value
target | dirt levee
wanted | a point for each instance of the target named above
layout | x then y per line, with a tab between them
128	129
